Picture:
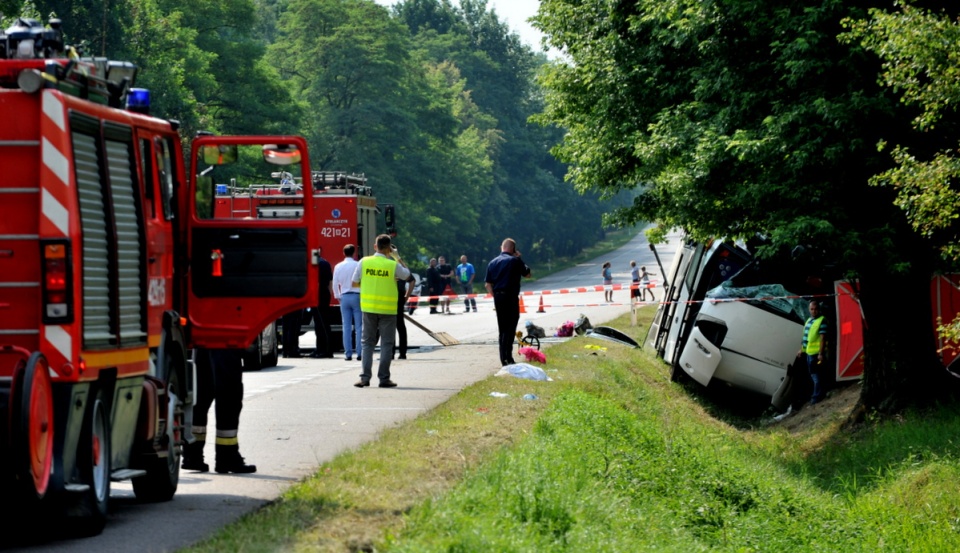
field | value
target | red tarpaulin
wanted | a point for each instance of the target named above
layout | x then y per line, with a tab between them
945	301
849	332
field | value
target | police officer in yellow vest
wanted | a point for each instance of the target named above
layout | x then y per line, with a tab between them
814	347
377	277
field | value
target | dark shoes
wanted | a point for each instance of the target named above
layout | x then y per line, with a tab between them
193	458
230	461
388	383
318	355
235	466
362	383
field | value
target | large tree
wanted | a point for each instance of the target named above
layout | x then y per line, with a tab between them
745	117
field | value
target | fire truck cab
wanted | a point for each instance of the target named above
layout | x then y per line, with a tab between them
112	269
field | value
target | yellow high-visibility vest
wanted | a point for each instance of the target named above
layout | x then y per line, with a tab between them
378	285
814	340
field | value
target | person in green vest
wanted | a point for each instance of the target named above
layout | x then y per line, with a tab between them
814	347
376	276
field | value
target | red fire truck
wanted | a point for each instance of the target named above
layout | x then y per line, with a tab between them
346	212
112	269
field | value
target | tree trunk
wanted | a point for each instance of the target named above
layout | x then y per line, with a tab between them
901	365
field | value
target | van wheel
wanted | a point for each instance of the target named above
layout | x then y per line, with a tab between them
253	360
271	359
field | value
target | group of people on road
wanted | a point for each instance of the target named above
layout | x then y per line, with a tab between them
639	276
443	281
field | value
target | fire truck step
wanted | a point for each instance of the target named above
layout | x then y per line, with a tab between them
126	474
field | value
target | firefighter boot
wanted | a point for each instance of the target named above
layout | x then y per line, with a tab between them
193	457
229	460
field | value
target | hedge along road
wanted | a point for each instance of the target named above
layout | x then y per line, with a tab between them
305	411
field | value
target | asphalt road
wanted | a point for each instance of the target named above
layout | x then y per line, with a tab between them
306	411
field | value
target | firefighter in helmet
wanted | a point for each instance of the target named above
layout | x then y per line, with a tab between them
220	377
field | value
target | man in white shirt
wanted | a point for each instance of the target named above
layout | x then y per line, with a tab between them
349	298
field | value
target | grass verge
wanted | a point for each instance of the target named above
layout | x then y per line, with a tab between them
614	457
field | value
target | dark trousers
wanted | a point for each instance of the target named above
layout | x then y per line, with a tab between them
814	368
291	334
219	377
468	302
321	327
401	327
508	315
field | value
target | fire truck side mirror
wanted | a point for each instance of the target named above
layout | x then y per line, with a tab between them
219	154
390	219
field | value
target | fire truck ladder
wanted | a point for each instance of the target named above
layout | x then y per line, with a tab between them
18	195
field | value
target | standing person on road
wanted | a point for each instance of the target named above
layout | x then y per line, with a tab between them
503	282
220	378
635	278
446	274
607	274
645	284
465	275
377	277
321	315
814	347
434	285
349	298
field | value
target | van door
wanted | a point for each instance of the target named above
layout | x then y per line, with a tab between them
246	269
699	357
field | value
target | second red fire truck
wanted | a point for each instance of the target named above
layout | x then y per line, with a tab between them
345	212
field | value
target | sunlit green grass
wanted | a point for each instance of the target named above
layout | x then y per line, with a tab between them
614	457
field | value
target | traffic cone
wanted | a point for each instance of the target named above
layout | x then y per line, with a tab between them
522	308
541	310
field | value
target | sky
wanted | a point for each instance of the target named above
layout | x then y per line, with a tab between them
514	12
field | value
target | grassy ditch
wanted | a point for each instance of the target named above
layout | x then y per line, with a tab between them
612	456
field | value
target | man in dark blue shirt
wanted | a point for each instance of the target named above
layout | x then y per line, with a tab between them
503	282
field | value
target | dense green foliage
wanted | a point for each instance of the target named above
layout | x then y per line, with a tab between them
429	100
744	117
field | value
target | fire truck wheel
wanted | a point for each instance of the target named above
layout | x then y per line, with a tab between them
88	514
33	426
163	473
